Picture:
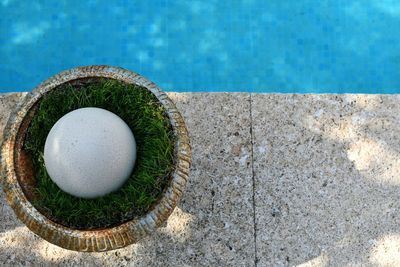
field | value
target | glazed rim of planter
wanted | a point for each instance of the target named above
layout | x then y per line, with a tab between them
16	184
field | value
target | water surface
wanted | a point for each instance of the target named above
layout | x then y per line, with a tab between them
333	46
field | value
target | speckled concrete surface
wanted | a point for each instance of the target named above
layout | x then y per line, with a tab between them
213	224
327	181
326	172
7	103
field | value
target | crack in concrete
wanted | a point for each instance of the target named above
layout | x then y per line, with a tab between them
253	179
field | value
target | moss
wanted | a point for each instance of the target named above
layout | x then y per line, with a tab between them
155	144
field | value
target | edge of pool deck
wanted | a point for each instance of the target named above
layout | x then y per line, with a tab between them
277	180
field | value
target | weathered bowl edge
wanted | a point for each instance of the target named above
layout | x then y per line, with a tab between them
93	240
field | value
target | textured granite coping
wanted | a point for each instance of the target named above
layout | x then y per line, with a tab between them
277	180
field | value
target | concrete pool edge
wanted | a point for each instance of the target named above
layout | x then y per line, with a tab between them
321	168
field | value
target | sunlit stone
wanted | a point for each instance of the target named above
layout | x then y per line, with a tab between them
90	152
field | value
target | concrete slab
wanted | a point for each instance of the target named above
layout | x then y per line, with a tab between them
8	220
7	103
213	224
326	171
327	181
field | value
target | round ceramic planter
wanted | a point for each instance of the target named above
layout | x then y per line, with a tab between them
18	178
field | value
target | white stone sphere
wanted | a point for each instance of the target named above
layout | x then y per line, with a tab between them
90	152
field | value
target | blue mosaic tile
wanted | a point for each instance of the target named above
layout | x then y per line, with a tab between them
332	46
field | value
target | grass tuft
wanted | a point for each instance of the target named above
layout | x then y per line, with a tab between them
155	144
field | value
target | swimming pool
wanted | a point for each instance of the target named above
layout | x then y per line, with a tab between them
305	46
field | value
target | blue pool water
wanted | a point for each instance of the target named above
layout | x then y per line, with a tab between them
333	46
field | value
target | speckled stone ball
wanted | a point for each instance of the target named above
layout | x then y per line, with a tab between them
90	152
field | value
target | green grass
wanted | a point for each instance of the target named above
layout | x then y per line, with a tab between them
155	144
